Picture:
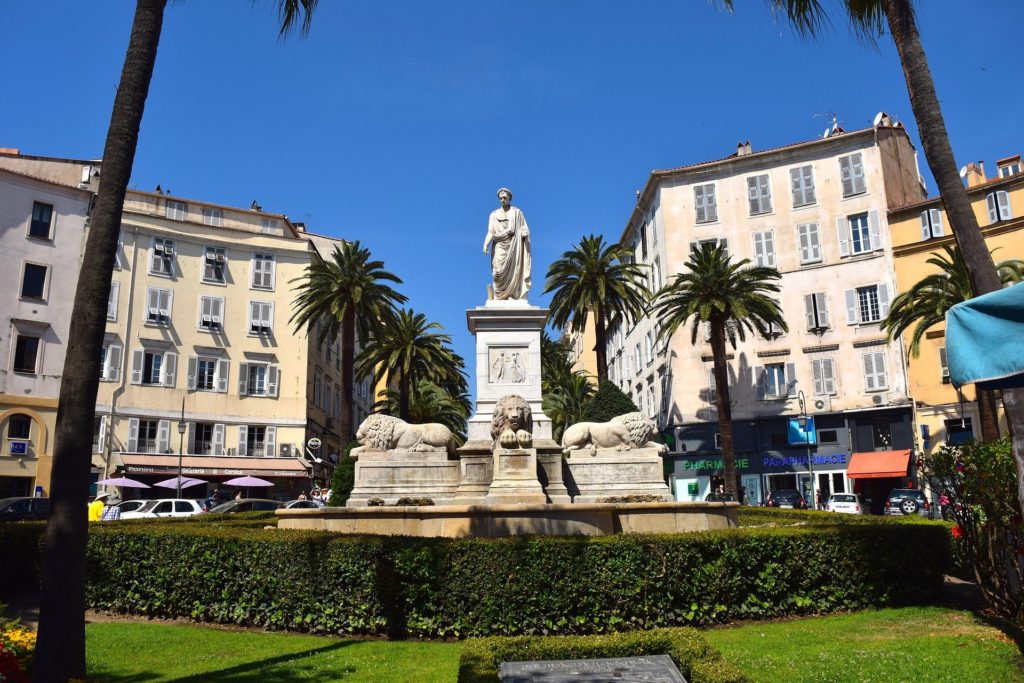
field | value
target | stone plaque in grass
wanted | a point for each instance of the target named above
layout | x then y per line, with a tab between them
650	669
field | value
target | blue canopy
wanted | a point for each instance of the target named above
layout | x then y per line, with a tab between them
985	340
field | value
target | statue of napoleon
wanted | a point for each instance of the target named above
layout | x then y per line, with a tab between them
510	261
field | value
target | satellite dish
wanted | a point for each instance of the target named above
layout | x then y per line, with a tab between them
827	130
963	171
878	118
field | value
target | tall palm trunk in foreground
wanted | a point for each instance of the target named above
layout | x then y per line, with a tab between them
60	654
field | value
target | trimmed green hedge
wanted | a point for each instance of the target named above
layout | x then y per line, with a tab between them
21	554
697	660
760	516
404	587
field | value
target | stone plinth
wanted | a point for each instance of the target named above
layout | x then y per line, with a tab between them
635	472
549	471
400	474
515	478
460	521
507	361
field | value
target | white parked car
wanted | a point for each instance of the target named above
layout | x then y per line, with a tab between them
303	505
166	507
844	502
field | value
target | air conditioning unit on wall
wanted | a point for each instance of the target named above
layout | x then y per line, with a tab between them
880	399
287	450
822	404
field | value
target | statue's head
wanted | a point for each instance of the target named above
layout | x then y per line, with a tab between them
505	197
511	412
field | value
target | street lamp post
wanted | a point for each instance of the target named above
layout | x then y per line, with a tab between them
807	445
181	439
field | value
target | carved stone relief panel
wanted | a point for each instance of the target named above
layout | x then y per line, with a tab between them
506	365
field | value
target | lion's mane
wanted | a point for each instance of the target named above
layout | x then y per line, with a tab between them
499	422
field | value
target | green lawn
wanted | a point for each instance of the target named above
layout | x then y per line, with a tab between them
912	644
136	652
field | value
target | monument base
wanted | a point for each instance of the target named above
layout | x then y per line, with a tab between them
615	474
515	479
394	475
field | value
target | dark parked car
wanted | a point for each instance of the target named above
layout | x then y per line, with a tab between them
907	502
24	509
248	505
786	498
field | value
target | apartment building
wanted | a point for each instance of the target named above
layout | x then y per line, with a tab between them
921	230
816	211
43	222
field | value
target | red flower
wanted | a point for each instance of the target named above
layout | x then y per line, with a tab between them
957	531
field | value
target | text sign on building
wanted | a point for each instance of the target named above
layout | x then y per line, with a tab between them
801	435
19	448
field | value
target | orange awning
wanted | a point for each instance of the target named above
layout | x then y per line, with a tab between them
878	465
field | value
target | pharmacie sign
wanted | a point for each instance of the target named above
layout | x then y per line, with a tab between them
712	464
801	460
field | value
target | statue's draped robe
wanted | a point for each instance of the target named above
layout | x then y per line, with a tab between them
510	257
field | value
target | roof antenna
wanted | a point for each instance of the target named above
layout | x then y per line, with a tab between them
834	128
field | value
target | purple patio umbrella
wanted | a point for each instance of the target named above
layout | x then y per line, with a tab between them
186	482
248	482
123	482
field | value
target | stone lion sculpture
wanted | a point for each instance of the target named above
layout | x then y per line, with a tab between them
512	423
388	433
625	432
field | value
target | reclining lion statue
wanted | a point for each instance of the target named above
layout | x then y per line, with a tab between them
380	432
512	423
625	432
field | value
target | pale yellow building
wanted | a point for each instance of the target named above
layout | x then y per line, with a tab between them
920	230
583	347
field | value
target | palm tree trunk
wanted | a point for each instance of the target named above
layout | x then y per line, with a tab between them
723	403
348	369
403	395
60	654
988	414
937	151
599	340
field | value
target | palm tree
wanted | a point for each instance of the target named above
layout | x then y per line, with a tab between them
869	17
349	295
925	305
60	653
596	281
566	397
732	298
408	351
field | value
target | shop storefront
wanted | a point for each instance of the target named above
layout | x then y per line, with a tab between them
289	475
876	473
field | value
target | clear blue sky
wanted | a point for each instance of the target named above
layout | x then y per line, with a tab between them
394	123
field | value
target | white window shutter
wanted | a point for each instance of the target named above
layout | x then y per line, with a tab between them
115	290
163	436
138	358
167	296
191	438
193	368
243	379
874	225
217	311
152	303
254	316
803	242
272	272
791	380
822	302
844	238
759	374
797	185
114	362
883	380
243	437
1003	200
828	375
816	372
943	364
869	372
814	241
993	210
168	369
270	443
218	439
926	228
883	299
808	184
769	247
273	377
937	230
851	307
809	311
759	256
223	370
846	175
753	196
133	434
101	442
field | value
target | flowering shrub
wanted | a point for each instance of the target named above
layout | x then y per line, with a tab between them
980	480
17	645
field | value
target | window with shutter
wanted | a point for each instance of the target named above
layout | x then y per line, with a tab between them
759	194
115	291
213	216
998	206
704	203
816	310
874	371
869	304
214	265
263	271
824	376
261	315
112	369
42	221
943	365
223	370
860	233
851	172
802	181
931	224
176	211
158	306
810	243
774	381
162	257
764	248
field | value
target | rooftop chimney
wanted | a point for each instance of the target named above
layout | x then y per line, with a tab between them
299	227
743	149
10	150
975	173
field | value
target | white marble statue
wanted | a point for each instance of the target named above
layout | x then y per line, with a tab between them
510	261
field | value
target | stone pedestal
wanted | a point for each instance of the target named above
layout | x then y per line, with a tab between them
404	474
476	467
551	478
507	361
515	479
612	473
